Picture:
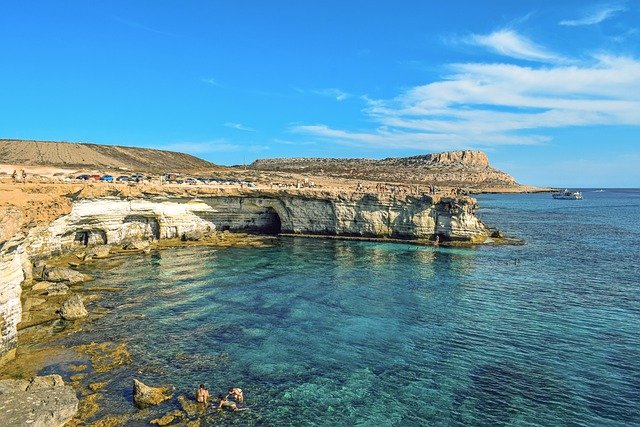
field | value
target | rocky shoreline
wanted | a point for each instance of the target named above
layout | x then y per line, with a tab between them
45	248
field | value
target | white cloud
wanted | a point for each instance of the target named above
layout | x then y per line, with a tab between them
595	16
509	43
239	126
479	105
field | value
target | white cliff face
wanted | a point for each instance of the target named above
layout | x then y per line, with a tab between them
118	221
13	258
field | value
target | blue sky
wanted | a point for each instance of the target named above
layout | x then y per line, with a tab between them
549	89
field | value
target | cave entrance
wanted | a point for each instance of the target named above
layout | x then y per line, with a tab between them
273	224
265	221
90	237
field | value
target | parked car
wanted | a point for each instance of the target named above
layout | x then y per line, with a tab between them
95	177
137	177
191	181
106	178
122	178
83	177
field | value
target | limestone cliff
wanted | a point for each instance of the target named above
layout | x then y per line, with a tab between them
117	221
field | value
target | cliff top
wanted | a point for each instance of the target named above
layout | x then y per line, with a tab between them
468	169
96	156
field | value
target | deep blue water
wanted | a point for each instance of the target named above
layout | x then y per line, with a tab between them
323	332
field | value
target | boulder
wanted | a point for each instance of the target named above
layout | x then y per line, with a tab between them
101	251
41	286
42	402
57	289
63	274
73	309
193	235
136	245
144	396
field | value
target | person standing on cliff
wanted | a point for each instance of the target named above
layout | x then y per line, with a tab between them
14	176
24	175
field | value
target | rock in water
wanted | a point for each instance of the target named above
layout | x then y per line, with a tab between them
63	274
144	396
73	309
42	402
57	289
136	245
101	251
193	236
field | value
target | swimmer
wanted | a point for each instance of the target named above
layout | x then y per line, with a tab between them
224	403
236	393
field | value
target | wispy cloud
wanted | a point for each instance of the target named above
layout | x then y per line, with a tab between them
211	81
509	43
595	15
479	105
239	126
337	94
139	26
332	93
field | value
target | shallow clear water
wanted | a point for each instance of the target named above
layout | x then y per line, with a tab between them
322	332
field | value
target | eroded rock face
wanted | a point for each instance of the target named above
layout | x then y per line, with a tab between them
42	402
63	274
73	309
144	395
13	257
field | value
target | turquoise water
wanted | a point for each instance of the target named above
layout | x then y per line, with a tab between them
321	332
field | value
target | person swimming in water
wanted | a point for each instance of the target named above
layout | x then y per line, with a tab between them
224	403
236	393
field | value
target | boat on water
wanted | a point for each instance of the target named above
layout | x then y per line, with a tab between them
567	195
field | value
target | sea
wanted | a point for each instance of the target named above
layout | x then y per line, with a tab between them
348	333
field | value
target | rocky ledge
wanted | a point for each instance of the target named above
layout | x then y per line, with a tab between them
42	402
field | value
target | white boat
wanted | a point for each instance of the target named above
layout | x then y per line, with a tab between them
568	195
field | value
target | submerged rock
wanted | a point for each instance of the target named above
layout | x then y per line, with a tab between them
167	418
73	309
41	286
42	402
144	396
188	406
63	274
57	289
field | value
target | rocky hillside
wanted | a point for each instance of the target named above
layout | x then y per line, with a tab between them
95	156
454	168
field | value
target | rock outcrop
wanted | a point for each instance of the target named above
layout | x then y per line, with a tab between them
466	169
144	395
73	309
42	402
63	274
